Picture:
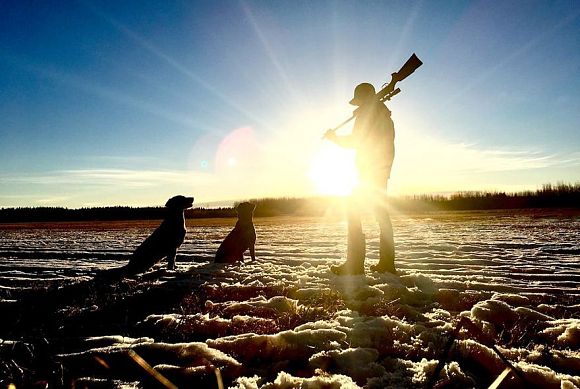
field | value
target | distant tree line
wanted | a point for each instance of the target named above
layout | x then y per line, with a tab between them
560	195
287	206
549	196
51	214
11	215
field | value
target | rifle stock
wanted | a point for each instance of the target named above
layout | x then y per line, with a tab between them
409	67
406	70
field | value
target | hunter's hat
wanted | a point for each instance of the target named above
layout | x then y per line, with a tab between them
362	93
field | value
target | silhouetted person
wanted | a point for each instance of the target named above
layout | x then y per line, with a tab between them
373	138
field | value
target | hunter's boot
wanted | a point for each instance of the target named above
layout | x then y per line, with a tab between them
355	257
386	249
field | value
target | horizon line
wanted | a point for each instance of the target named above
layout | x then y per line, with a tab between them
418	196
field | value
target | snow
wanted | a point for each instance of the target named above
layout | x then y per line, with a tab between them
285	321
279	304
566	331
287	345
287	381
357	363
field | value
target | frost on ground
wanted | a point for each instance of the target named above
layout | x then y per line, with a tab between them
285	321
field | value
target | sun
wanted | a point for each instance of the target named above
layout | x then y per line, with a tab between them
332	171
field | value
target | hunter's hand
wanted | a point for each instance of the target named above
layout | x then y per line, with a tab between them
329	135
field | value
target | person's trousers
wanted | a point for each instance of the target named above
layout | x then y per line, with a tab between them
371	193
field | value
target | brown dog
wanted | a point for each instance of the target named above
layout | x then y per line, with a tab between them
163	242
241	238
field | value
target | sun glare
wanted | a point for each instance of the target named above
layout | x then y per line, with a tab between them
333	171
232	162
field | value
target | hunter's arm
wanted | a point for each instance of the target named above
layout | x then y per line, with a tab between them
346	141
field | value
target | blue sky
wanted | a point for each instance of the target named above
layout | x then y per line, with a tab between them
105	103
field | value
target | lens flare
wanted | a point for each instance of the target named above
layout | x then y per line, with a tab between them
333	171
237	149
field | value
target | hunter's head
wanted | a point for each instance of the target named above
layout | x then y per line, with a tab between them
363	93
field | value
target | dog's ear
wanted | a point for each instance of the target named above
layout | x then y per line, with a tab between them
180	202
245	208
170	202
175	201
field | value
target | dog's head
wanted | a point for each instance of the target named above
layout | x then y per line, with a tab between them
245	211
179	202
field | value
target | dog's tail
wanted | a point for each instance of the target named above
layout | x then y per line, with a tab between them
113	274
118	273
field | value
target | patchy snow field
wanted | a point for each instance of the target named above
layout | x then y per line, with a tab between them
285	321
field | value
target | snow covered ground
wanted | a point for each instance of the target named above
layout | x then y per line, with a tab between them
285	320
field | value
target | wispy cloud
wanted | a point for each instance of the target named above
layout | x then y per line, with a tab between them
109	177
122	160
425	164
100	187
53	200
470	158
435	155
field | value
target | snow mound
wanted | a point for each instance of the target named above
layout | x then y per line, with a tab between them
376	332
287	381
116	358
496	316
202	325
276	305
544	377
357	363
285	345
565	331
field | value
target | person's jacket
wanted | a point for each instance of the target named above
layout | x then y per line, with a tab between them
373	137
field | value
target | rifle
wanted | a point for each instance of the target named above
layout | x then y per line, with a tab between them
388	91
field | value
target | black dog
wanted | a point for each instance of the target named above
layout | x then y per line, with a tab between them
241	238
163	242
